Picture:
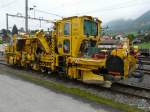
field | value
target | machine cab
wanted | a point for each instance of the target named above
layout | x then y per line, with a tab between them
74	34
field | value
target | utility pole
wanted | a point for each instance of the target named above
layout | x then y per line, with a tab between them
40	18
34	6
7	21
40	23
26	16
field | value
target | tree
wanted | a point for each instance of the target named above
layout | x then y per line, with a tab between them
4	35
21	29
131	37
14	30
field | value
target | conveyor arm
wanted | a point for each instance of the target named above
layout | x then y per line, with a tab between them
44	43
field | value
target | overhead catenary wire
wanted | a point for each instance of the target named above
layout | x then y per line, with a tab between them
31	18
41	19
48	13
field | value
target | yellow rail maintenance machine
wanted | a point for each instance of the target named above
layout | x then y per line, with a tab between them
71	50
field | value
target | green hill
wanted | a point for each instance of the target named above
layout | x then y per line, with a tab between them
121	25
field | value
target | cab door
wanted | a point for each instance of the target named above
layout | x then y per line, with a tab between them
64	37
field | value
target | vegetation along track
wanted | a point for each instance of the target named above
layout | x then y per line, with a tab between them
117	88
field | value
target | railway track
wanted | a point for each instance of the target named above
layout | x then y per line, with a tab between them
145	71
144	57
125	89
3	63
145	60
131	90
117	88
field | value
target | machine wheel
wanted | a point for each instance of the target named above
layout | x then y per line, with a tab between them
115	64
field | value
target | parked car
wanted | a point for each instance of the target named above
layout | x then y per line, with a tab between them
136	41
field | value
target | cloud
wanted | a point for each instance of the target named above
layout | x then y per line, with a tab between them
105	9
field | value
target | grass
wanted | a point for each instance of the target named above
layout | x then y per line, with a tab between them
76	92
144	45
134	33
1	42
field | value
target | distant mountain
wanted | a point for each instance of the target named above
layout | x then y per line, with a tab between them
121	25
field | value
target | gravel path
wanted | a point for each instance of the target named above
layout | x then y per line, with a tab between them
20	96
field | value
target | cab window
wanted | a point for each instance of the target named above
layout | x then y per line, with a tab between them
66	46
90	28
67	28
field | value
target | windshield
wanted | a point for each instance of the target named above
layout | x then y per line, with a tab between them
87	48
90	28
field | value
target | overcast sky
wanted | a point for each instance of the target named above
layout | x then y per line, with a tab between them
106	10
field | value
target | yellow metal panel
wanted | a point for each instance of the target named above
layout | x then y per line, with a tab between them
90	77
